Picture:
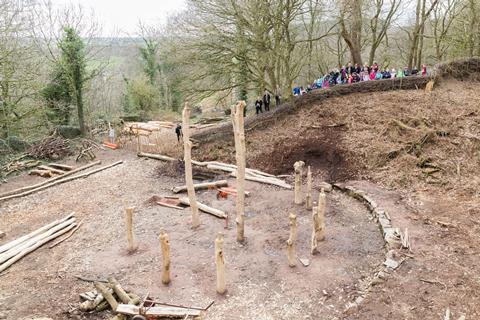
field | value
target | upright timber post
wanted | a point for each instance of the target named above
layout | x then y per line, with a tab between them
220	263
315	230
292	261
298	166
322	204
308	200
187	147
165	246
240	150
130	238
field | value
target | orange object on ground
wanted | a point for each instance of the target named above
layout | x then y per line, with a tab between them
112	146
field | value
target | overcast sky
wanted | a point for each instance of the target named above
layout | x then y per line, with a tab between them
120	17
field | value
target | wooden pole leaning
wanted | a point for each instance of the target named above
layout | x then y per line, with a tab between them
240	150
187	147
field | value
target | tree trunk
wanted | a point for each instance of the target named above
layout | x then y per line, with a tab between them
81	117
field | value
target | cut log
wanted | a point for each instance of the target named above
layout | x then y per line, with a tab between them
156	156
92	304
129	224
308	199
103	290
202	186
166	312
322	205
61	166
51	169
41	173
83	175
26	251
292	260
165	246
203	207
315	227
220	263
119	291
187	149
35	186
22	239
298	167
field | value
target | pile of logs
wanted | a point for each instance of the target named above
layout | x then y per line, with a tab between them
18	165
14	250
51	170
111	295
53	147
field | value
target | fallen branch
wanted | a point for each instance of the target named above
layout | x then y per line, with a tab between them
156	156
129	309
83	175
49	180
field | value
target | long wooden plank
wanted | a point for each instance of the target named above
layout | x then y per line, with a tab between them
48	168
62	166
129	309
156	156
23	189
83	175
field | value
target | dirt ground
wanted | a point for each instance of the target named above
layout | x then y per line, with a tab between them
260	283
364	147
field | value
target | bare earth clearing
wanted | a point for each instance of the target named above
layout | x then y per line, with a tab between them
367	150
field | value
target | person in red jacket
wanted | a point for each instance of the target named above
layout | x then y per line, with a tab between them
424	70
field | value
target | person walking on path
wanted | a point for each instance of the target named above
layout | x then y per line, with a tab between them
178	131
266	100
258	105
277	96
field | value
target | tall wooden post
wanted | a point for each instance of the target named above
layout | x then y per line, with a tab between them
315	228
240	150
187	147
308	200
130	237
298	166
292	261
220	263
322	205
165	245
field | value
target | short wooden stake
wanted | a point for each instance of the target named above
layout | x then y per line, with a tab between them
130	238
298	166
220	262
292	260
165	245
322	205
308	200
187	147
240	151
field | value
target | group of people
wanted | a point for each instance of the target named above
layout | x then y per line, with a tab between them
354	73
264	102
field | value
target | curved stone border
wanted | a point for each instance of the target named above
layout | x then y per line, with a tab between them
392	237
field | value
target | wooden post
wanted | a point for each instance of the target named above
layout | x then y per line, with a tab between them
322	203
298	166
220	262
130	237
187	147
240	150
292	259
165	245
315	227
139	147
308	200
